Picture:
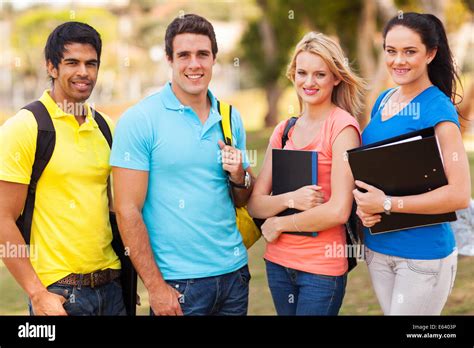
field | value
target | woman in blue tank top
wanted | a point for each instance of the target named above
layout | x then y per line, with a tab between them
413	270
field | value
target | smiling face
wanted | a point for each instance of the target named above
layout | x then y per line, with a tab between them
76	74
192	64
314	81
406	56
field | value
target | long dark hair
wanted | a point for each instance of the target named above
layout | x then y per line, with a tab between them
441	71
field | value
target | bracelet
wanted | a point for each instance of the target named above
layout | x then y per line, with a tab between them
294	223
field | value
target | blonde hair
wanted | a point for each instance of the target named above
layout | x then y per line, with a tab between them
348	94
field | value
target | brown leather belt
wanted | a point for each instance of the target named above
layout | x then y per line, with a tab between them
93	279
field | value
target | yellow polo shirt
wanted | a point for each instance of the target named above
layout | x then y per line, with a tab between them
70	230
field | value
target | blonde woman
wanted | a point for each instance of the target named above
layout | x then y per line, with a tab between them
305	275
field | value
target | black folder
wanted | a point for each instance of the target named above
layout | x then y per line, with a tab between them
291	170
405	165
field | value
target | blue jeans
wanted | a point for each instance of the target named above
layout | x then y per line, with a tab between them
101	300
301	293
225	294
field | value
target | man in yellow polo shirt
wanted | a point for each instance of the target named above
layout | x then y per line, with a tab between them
73	268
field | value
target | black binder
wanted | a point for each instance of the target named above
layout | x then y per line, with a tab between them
291	170
405	165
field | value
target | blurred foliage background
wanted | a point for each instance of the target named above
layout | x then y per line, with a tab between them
256	39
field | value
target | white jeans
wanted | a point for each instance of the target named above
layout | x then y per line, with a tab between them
411	287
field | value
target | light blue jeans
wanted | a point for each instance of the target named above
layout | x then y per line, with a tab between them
411	287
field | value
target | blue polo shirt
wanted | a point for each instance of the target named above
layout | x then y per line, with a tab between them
427	109
188	211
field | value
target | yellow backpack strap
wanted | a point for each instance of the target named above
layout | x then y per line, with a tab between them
225	110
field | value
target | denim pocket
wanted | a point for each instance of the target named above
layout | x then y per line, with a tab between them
425	266
324	282
66	291
244	275
181	286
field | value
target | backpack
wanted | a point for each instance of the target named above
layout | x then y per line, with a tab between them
246	225
45	144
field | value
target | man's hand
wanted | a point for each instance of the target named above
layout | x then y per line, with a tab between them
47	303
164	300
232	162
271	230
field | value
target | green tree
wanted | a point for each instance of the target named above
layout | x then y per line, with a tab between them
270	38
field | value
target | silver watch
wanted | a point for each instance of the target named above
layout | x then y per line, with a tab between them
246	184
387	205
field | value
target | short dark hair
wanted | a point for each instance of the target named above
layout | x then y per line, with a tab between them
193	24
70	32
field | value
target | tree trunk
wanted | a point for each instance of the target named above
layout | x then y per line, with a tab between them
269	44
364	38
273	93
377	79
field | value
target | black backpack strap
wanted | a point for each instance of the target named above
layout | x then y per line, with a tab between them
128	277
289	124
103	126
45	143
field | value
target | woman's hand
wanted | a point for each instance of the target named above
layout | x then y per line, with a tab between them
370	202
271	230
306	197
368	220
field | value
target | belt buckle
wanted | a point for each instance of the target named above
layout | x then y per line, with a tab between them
92	280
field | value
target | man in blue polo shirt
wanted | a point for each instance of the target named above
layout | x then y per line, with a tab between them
171	171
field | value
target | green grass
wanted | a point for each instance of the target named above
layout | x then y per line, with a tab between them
13	301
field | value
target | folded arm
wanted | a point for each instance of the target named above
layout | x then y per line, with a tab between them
337	209
453	196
